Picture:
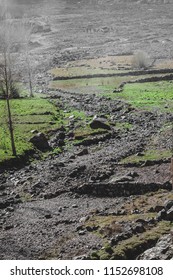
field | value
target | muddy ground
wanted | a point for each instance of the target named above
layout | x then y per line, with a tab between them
52	208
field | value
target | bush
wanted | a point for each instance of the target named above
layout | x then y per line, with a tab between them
14	92
141	60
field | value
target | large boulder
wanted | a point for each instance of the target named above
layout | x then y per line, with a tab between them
40	141
97	123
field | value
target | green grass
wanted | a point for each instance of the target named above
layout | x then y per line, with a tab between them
27	114
149	155
31	114
156	95
123	125
83	132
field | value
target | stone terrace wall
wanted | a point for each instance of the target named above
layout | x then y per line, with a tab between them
119	189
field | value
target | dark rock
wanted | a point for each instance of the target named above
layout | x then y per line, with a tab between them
169	215
7	227
139	228
158	208
77	171
90	229
83	152
168	204
142	221
99	123
70	134
133	174
48	216
151	221
40	141
57	140
79	228
74	206
151	209
161	215
10	209
2	187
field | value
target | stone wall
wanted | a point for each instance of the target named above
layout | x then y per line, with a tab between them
120	189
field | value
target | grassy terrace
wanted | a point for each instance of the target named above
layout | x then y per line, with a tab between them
28	114
156	95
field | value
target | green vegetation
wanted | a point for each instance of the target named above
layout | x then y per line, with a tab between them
28	114
83	132
150	155
101	85
123	125
38	114
155	95
129	248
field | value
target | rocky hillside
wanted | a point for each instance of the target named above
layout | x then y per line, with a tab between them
102	189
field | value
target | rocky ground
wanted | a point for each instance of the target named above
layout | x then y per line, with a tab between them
84	202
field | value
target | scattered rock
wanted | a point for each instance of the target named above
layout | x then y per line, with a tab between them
40	141
163	250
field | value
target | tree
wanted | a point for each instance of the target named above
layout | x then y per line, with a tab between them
6	76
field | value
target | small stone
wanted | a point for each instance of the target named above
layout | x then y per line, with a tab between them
158	208
168	204
10	209
48	216
7	227
84	219
162	215
82	232
82	152
170	214
74	206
